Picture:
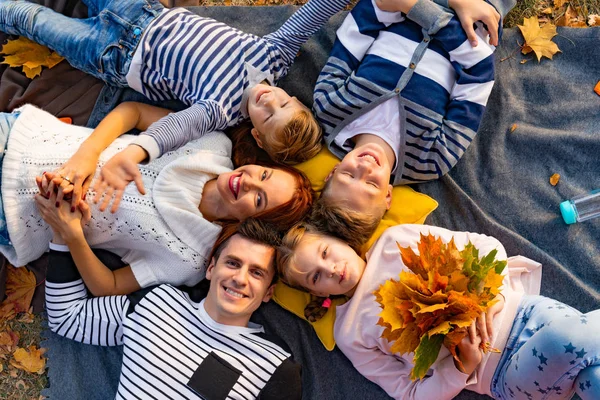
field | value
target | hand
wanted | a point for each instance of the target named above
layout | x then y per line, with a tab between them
74	177
65	224
469	11
469	351
395	5
116	174
486	319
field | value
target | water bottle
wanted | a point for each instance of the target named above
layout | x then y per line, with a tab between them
581	208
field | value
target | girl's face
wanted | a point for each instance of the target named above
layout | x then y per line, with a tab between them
326	266
252	189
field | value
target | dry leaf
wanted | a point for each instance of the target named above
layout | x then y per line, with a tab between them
593	20
30	361
554	179
523	61
559	3
21	385
538	39
20	285
597	88
32	56
513	128
547	11
8	342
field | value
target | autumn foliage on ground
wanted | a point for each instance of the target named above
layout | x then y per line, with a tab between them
433	303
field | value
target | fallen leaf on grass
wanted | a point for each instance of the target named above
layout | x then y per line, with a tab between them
30	361
8	342
593	20
538	39
597	88
20	285
22	52
21	385
554	179
559	3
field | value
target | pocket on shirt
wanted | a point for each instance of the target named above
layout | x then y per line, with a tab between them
214	378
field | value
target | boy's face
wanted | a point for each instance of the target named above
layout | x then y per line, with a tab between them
326	266
271	109
361	180
240	280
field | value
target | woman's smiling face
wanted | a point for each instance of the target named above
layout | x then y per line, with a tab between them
326	266
252	189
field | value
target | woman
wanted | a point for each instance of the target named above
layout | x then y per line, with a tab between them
163	236
550	349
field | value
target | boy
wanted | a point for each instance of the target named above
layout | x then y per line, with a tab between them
185	344
402	95
224	75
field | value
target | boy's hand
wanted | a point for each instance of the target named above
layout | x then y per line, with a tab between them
395	5
471	11
469	352
116	174
65	224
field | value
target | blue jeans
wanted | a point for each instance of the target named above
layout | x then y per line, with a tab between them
6	122
101	45
553	351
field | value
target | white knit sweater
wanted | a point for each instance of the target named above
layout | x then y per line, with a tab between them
162	235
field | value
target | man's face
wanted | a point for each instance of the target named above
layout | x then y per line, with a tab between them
240	280
361	180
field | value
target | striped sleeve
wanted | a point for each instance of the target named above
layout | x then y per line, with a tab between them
97	321
288	39
176	129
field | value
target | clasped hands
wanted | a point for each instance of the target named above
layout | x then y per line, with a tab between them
73	179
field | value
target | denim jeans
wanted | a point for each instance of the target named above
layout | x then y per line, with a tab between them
552	351
101	45
6	122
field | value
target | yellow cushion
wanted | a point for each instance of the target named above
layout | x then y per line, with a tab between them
408	207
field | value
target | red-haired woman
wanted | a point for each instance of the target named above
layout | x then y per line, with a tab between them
164	235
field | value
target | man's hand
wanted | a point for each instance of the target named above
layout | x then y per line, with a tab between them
65	224
116	174
471	11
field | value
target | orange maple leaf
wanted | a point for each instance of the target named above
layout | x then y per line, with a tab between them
538	39
31	360
20	285
8	342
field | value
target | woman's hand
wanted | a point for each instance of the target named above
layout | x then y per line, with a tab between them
74	177
116	174
471	11
64	223
469	351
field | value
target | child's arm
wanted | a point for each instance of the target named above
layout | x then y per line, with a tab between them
97	321
67	225
80	168
288	39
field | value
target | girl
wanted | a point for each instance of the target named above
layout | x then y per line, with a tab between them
165	236
550	350
224	75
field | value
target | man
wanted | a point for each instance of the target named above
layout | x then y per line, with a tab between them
402	95
185	344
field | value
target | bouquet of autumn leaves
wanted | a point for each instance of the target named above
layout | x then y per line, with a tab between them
436	302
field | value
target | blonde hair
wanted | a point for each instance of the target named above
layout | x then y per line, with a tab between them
298	141
286	252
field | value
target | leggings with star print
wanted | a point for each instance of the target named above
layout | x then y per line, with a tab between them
552	352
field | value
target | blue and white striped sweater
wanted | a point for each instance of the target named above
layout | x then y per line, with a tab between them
425	58
208	65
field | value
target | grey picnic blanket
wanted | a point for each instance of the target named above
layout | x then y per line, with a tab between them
499	188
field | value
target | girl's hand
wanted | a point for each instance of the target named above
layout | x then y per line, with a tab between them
486	319
116	174
469	352
64	223
470	11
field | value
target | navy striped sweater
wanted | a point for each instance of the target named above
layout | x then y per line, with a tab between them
425	59
172	349
208	65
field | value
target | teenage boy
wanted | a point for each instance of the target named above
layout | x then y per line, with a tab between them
402	94
194	343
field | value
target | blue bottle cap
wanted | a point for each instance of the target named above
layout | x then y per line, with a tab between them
568	212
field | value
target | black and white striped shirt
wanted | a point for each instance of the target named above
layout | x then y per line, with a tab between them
208	65
171	347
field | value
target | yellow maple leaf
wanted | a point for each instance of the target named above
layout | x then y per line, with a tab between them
538	39
31	360
32	56
20	285
408	340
